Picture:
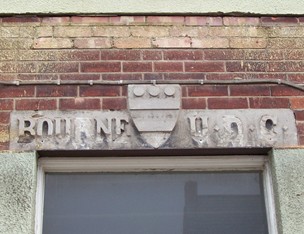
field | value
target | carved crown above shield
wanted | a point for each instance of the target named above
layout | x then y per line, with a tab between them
154	110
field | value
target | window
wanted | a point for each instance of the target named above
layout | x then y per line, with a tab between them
186	195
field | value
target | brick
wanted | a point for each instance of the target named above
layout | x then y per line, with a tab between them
225	76
210	42
4	117
258	54
299	78
124	76
57	20
196	20
301	19
184	76
78	55
36	104
168	66
285	43
194	103
294	54
99	91
249	90
126	20
254	43
149	31
79	104
152	55
52	43
120	55
21	19
279	20
4	133
165	20
223	54
241	21
227	103
56	91
215	21
6	104
90	19
288	66
9	32
201	91
178	31
114	103
301	140
37	77
44	31
286	31
132	43
299	115
246	67
10	67
101	67
13	91
269	102
27	32
4	145
297	103
72	31
37	55
92	43
137	66
300	127
80	77
266	76
183	55
172	42
15	43
285	91
7	55
153	76
204	67
53	67
110	31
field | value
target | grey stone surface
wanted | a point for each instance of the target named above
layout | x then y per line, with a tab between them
17	192
288	178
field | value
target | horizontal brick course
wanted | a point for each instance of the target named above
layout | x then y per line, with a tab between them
4	117
100	67
56	91
168	66
269	102
204	67
79	104
227	103
13	91
249	90
137	66
194	103
114	103
36	104
99	91
196	91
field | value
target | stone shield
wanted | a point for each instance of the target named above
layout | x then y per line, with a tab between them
154	110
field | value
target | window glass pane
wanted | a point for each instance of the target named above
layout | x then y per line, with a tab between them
150	203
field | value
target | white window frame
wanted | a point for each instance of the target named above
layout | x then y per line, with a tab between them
157	164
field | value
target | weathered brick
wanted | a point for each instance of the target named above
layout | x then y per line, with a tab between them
37	55
78	55
275	76
132	42
285	43
210	42
27	32
137	66
124	76
72	31
4	117
99	91
201	91
36	104
299	115
279	20
126	20
15	43
183	55
149	31
4	145
299	78
223	54
37	77
6	55
246	67
203	20
9	32
44	31
152	54
168	66
54	67
204	67
225	76
301	140
120	55
7	77
179	31
241	21
13	91
153	76
92	43
296	54
269	102
80	104
288	66
170	42
165	20
249	90
21	19
194	103
285	91
80	77
285	31
52	43
4	133
56	91
90	19
114	103
255	43
11	67
101	67
297	103
184	76
110	31
300	127
6	104
258	54
227	103
57	20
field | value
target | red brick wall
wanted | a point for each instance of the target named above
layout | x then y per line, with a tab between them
150	48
